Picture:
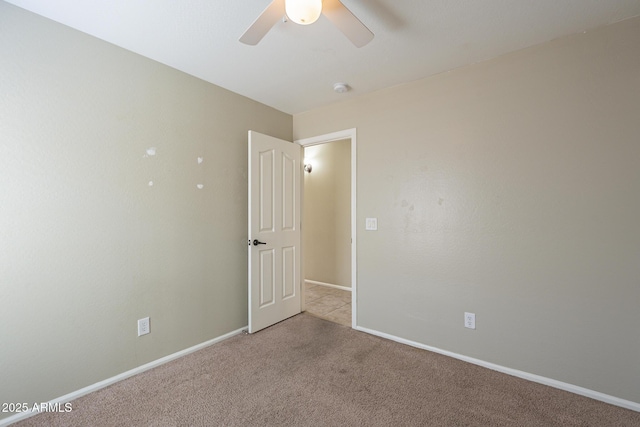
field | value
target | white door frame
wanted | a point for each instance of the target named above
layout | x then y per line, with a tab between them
349	134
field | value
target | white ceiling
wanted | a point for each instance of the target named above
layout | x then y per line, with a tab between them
294	67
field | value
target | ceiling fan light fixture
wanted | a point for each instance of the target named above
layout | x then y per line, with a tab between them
303	12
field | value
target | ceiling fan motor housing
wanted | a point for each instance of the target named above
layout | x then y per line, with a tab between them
306	12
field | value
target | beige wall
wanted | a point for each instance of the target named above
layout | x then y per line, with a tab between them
87	247
327	214
511	189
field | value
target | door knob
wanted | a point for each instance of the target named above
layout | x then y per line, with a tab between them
257	242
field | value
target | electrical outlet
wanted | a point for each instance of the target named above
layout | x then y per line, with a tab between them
470	320
144	327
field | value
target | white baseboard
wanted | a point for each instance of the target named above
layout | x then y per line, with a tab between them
634	406
329	285
109	381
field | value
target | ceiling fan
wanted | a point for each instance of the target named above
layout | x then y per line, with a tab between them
306	12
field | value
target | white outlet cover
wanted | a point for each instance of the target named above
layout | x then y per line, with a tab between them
371	224
143	326
470	320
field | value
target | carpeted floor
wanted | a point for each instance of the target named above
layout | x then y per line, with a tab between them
307	371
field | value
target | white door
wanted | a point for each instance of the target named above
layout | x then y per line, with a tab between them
274	230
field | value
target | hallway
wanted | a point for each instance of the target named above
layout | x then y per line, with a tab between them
329	303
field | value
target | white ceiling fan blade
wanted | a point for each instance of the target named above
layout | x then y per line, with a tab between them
261	26
346	22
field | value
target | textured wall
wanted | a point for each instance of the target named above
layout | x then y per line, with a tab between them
510	188
87	245
327	214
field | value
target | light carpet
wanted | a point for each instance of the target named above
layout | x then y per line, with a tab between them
307	371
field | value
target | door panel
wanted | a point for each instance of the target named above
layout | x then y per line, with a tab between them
288	193
288	272
267	277
274	221
267	194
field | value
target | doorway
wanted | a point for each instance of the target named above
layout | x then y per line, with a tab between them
328	232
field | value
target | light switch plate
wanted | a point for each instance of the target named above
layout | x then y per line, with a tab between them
371	224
